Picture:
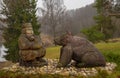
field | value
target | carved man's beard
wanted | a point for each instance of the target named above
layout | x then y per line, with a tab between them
30	35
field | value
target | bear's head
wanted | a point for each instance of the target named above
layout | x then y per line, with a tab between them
63	39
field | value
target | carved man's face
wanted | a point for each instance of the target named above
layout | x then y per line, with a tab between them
29	31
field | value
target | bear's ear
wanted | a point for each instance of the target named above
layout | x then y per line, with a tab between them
68	33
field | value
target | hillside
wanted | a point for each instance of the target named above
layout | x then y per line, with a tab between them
73	20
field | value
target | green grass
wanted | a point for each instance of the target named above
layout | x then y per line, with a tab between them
109	47
53	52
114	48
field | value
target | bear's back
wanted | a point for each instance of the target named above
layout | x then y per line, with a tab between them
79	41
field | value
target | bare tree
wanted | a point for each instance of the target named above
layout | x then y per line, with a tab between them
52	13
71	20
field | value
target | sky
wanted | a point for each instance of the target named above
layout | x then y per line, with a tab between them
72	4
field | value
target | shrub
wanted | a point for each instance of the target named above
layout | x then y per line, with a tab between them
112	57
93	34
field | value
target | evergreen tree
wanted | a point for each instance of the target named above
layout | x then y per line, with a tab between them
104	29
103	22
17	12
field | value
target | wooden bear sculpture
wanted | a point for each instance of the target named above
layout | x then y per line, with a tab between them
79	49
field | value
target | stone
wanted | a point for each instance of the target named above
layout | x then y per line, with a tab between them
79	49
31	48
66	73
71	71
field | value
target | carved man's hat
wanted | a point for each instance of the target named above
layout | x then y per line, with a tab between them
27	25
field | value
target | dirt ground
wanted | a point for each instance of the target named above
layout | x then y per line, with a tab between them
5	64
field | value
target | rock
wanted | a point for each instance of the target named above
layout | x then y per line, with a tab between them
51	69
66	73
73	73
5	64
84	74
5	68
56	72
61	68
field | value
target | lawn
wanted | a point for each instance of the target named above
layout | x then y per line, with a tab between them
109	47
53	52
105	48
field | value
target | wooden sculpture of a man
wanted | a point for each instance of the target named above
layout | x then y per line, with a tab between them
31	47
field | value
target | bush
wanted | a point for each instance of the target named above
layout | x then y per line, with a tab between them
112	57
93	34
